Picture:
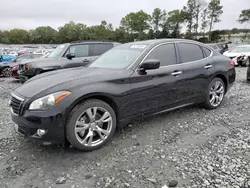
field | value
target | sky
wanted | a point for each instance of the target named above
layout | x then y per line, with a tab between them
29	14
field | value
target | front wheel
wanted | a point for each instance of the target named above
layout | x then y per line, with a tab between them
6	72
215	94
90	125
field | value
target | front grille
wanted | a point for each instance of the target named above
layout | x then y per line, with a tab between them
16	104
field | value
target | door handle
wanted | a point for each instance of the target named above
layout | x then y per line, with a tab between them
85	61
208	66
177	73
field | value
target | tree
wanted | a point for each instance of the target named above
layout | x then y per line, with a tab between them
19	36
136	22
157	20
189	15
244	16
200	5
204	21
72	32
44	35
214	12
174	21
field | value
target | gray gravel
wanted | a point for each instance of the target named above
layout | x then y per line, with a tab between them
190	148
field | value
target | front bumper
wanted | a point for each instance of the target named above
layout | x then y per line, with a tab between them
51	121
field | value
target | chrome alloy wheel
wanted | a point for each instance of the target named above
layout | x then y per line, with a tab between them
216	94
93	126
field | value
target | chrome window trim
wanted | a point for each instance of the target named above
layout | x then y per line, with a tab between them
176	53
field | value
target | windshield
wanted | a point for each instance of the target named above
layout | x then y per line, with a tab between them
57	51
240	49
119	57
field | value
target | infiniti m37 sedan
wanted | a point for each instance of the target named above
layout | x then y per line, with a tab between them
84	106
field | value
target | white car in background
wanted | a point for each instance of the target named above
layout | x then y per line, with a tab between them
13	53
238	51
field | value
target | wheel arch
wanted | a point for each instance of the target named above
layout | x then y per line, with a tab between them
100	96
224	79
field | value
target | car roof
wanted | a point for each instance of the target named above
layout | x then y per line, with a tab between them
159	41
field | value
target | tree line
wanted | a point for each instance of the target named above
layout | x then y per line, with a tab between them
198	17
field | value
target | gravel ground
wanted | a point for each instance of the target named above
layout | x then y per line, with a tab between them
191	147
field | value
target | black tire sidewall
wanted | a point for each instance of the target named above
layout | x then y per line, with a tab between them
76	112
207	103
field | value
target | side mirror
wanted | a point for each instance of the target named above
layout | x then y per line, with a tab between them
70	56
150	64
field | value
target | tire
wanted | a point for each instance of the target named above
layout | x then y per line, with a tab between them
6	72
208	104
79	119
246	63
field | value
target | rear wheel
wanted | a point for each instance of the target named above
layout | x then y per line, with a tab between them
215	94
90	125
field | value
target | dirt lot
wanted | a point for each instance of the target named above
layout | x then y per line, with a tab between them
192	147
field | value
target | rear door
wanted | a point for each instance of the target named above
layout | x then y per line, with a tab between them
97	49
197	69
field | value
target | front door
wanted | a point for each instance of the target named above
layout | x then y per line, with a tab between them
160	88
82	56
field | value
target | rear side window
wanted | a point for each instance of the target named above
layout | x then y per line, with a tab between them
165	53
98	49
206	51
189	52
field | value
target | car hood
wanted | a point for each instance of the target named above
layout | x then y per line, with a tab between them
64	80
43	61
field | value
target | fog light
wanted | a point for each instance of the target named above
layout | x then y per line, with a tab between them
40	132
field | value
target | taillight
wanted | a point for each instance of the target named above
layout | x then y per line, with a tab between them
232	62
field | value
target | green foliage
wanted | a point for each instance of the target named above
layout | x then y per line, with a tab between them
136	22
214	12
244	16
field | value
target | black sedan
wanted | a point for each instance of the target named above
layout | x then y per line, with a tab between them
85	105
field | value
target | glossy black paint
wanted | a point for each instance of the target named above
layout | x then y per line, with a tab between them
132	93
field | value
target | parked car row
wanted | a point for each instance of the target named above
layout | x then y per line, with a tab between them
85	104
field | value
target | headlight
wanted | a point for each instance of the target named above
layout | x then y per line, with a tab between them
48	101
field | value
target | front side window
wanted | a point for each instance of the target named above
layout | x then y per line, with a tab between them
79	50
189	52
165	54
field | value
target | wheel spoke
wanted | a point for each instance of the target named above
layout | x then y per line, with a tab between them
217	85
80	129
100	130
90	134
220	90
90	140
105	118
212	100
91	114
